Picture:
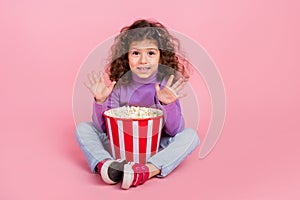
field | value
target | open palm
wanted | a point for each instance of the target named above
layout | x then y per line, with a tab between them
98	87
170	92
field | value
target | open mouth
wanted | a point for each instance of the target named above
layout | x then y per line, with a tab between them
143	69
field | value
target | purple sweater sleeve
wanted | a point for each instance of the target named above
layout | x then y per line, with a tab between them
97	117
98	109
174	122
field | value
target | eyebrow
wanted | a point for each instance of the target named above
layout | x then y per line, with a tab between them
150	48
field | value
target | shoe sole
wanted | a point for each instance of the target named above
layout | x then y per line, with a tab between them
104	172
127	177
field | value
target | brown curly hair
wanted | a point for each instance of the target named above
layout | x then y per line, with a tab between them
138	31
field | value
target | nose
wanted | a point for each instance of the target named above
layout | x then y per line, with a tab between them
143	58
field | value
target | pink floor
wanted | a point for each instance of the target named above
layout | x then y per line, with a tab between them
255	45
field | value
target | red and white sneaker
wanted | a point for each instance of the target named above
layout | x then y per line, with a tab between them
111	171
134	174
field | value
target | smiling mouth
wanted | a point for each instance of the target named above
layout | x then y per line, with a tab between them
143	69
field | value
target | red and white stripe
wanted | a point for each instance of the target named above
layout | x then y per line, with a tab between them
134	140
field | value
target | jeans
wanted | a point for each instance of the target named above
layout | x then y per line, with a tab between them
173	150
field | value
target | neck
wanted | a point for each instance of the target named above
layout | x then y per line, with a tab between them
150	79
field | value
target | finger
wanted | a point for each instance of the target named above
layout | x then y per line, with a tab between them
171	90
177	83
180	87
157	87
170	81
111	86
95	77
91	80
101	77
181	95
90	77
87	85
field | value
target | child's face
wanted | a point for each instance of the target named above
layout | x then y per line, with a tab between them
143	58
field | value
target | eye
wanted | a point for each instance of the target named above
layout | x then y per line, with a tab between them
135	53
152	53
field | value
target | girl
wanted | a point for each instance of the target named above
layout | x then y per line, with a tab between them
144	71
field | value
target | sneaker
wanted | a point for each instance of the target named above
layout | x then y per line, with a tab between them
134	174
112	171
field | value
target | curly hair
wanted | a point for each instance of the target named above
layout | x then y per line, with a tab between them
142	30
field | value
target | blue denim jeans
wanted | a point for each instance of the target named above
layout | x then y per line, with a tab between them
173	150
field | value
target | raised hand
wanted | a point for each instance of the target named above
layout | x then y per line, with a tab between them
170	92
98	87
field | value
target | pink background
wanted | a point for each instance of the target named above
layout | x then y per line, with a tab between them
255	45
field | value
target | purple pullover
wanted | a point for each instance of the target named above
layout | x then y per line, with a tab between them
140	92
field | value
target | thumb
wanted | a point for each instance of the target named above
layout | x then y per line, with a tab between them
111	86
157	87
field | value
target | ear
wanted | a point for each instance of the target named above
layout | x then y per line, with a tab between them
159	62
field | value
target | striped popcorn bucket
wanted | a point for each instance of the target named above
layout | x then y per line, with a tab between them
133	139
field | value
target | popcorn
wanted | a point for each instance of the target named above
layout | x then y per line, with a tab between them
133	112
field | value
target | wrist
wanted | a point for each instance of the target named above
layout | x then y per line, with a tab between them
99	100
167	103
162	103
